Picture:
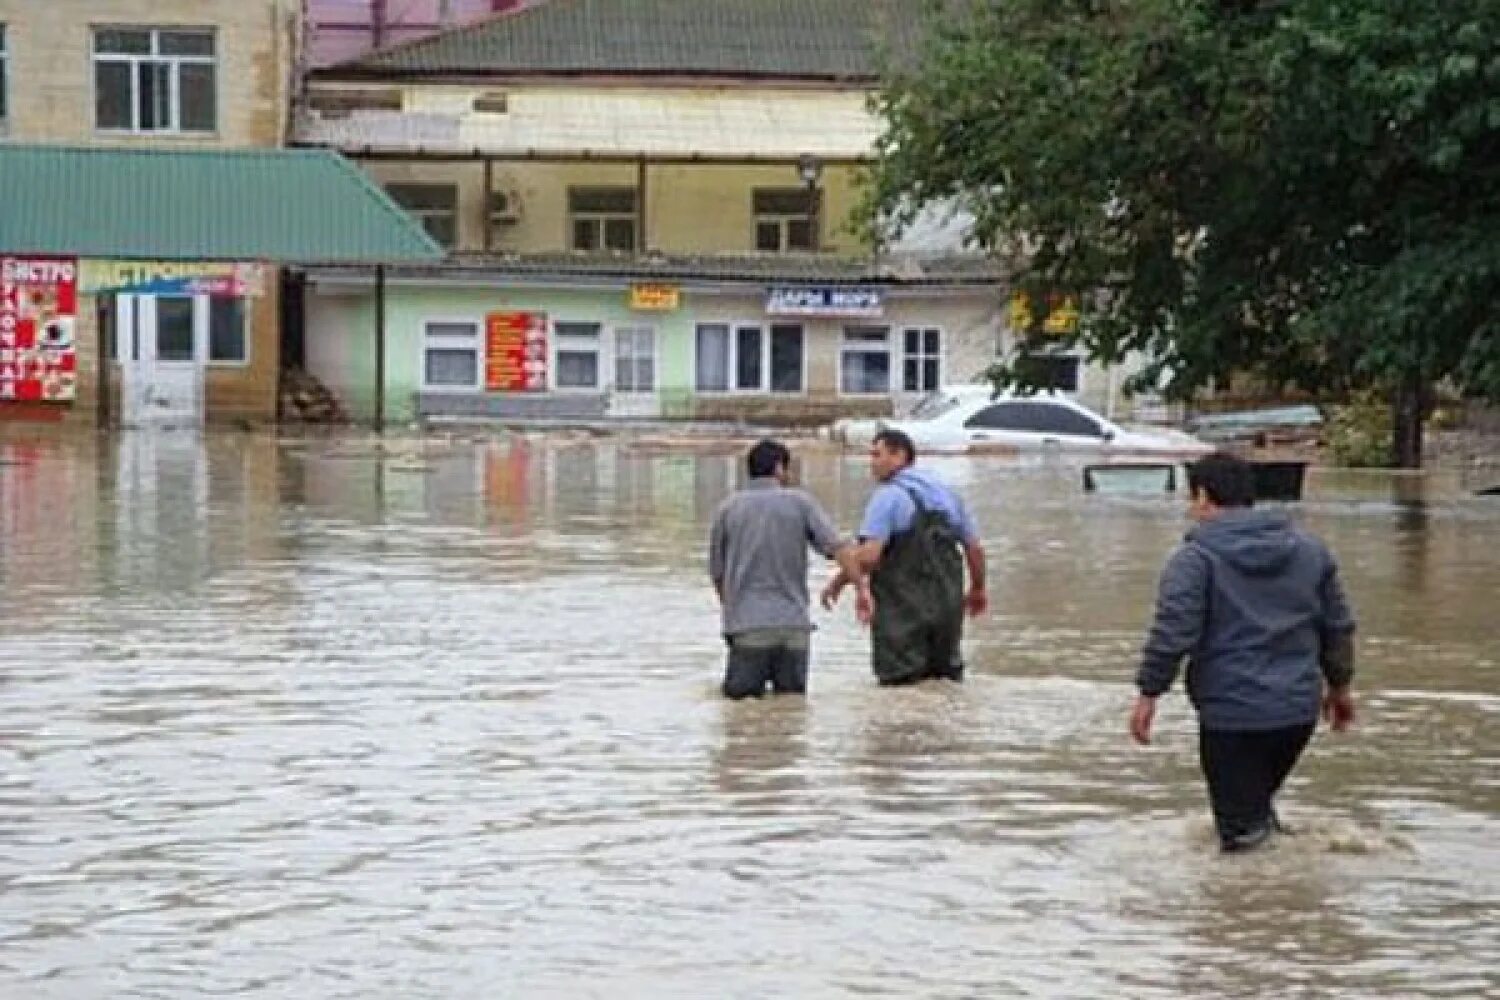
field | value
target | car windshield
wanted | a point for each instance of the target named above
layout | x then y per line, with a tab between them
933	405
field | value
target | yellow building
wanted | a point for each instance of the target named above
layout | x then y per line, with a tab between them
651	210
158	74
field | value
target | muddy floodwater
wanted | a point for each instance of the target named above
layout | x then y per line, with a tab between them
321	719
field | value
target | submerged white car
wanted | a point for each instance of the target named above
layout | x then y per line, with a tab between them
971	418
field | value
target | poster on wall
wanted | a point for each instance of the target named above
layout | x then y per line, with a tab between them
515	352
38	316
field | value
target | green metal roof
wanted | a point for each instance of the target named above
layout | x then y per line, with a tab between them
276	206
770	39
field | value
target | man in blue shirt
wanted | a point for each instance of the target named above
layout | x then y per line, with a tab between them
914	541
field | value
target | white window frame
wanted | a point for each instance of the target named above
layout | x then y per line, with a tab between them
601	219
572	343
174	62
783	221
766	332
616	336
424	215
450	342
920	357
847	347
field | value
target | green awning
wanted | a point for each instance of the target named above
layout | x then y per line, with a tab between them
267	205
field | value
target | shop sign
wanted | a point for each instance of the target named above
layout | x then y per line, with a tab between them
515	352
1061	318
864	303
655	297
38	315
169	277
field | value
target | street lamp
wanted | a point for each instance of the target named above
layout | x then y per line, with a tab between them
810	169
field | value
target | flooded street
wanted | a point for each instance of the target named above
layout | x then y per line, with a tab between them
309	719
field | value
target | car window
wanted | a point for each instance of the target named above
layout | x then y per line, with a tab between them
1037	417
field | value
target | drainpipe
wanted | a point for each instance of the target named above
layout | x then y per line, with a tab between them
379	422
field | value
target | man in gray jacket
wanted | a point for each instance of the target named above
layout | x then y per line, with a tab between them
1257	608
757	561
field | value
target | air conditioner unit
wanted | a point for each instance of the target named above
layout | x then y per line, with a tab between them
505	208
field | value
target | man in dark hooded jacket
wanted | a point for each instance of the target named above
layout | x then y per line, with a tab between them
1257	608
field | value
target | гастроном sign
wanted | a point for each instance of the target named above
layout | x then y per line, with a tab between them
38	309
864	303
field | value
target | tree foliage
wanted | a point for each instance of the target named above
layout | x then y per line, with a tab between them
1308	190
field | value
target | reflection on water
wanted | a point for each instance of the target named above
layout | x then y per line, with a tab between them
332	718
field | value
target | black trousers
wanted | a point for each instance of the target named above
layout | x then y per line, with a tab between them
1244	771
753	665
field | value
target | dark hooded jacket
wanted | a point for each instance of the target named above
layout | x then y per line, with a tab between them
1257	607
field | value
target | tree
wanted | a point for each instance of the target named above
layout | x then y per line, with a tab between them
1304	190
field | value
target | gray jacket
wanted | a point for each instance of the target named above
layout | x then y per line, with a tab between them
1256	606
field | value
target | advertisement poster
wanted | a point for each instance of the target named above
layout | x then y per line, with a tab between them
515	352
38	315
162	277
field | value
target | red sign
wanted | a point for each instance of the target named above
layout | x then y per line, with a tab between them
515	352
38	313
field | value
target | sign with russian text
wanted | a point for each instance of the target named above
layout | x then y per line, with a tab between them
655	297
862	303
515	352
38	317
168	277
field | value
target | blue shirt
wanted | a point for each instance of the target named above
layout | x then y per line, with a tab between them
891	511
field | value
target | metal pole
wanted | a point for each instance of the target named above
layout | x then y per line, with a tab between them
379	422
489	200
641	241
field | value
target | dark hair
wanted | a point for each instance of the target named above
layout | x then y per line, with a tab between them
1228	479
895	440
765	457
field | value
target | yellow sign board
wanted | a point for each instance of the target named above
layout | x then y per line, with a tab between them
1062	314
655	297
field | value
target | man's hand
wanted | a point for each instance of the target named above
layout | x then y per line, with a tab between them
1338	708
1141	718
864	604
830	595
976	602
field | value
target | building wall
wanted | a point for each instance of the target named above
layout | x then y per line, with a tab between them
51	78
340	344
690	209
51	100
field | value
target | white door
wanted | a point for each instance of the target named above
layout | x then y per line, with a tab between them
163	350
635	393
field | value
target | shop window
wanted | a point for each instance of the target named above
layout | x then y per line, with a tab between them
865	361
577	355
435	206
150	80
635	359
602	219
228	341
451	355
783	219
921	359
1058	372
786	358
745	359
